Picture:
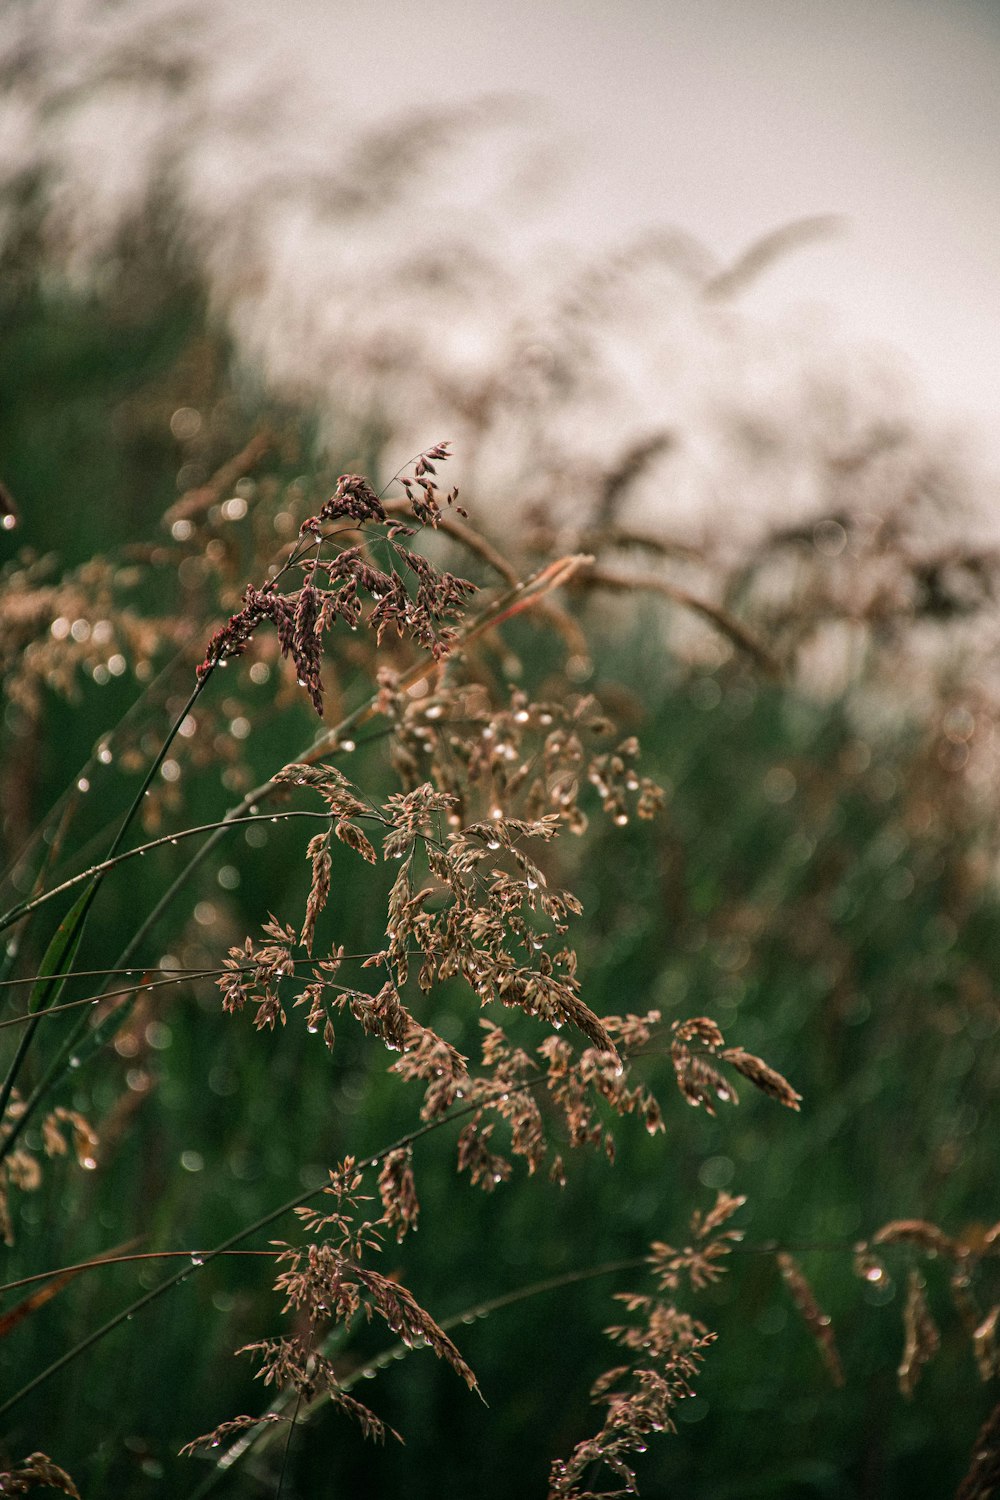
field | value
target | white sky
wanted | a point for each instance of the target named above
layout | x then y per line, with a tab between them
727	118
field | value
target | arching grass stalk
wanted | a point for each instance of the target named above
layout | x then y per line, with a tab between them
95	1263
93	871
132	1258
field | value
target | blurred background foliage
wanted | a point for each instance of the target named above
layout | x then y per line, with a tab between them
821	884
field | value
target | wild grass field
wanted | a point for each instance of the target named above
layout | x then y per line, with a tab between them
460	925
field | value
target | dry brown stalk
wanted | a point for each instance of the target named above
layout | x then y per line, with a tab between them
985	1346
982	1481
37	1471
919	1232
194	503
922	1339
740	635
664	1348
816	1320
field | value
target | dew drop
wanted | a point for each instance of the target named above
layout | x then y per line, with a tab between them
104	755
874	1273
196	1259
83	785
531	884
74	1062
89	1164
347	746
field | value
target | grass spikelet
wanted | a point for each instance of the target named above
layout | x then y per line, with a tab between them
922	1339
816	1320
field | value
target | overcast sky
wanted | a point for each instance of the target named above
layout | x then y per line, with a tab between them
727	118
722	118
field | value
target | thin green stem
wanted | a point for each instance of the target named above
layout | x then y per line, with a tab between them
110	863
49	990
118	1260
288	1445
